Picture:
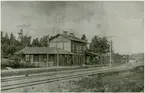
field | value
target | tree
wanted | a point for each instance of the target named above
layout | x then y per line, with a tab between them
12	38
24	40
5	44
99	45
10	45
29	41
35	43
6	38
83	37
4	48
2	38
12	49
44	41
20	35
1	33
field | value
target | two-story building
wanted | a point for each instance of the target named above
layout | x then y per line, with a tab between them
64	49
70	43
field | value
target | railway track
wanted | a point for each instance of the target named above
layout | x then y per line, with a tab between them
48	74
63	76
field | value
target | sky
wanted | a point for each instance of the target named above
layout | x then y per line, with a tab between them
122	20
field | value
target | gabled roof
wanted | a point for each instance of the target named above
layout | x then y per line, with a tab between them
42	50
73	38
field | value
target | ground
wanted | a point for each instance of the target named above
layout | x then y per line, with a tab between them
125	81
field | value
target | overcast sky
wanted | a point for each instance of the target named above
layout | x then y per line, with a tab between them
121	19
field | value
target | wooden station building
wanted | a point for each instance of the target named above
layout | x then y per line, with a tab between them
65	48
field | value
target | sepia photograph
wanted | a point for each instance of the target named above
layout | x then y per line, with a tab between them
72	46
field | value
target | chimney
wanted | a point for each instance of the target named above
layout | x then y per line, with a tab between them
71	34
65	32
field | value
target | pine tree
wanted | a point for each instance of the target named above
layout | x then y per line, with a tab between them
5	45
2	38
12	38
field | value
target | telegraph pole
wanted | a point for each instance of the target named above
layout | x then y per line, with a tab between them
111	53
57	54
110	48
57	25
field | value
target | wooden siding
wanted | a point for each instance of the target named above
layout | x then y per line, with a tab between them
64	60
77	47
61	42
59	38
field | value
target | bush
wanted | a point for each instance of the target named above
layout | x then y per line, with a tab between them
16	58
4	63
91	83
111	82
14	62
27	65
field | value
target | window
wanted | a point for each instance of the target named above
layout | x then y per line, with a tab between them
60	45
52	44
77	48
73	48
82	48
36	58
27	58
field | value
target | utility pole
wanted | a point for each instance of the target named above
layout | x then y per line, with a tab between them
110	48
57	25
111	53
57	49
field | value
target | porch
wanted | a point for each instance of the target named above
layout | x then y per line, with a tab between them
45	56
47	60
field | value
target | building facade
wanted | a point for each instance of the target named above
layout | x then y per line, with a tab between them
70	43
64	50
